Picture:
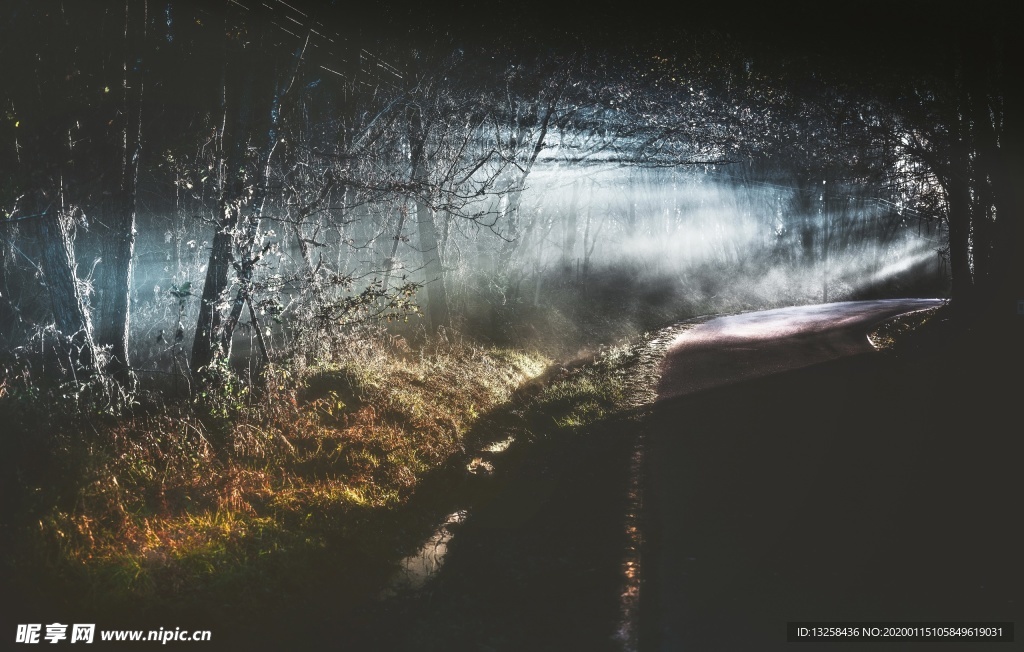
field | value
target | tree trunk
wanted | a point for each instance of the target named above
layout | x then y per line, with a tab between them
435	286
1010	251
569	228
114	285
999	244
8	314
515	192
208	344
958	198
118	247
437	297
391	261
71	318
214	330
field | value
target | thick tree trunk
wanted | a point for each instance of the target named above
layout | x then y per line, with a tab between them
114	284
993	103
391	262
437	297
435	286
208	343
215	329
247	247
958	198
985	173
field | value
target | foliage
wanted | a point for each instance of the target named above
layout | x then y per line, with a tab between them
176	495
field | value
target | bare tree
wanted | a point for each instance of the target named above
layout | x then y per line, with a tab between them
252	99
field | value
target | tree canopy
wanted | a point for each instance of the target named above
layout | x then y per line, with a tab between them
325	164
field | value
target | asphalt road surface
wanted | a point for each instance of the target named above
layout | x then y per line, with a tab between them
794	475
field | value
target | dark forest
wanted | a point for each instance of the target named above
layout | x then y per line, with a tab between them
281	281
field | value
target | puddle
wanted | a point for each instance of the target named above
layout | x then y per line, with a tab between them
500	446
415	570
420	567
480	466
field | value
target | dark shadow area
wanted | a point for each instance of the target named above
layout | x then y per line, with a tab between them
537	565
869	488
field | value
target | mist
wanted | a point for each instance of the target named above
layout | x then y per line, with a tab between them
650	241
527	187
293	291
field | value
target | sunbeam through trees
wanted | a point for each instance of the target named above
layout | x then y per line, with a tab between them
265	266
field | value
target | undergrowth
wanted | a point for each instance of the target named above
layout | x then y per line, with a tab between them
240	495
174	499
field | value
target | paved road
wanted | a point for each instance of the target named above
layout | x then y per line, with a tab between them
755	344
796	476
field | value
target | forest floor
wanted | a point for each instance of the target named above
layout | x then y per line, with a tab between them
298	502
258	498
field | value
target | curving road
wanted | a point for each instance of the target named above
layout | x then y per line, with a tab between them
755	344
789	474
794	476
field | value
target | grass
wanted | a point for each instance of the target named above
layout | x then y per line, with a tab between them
243	484
242	497
585	394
